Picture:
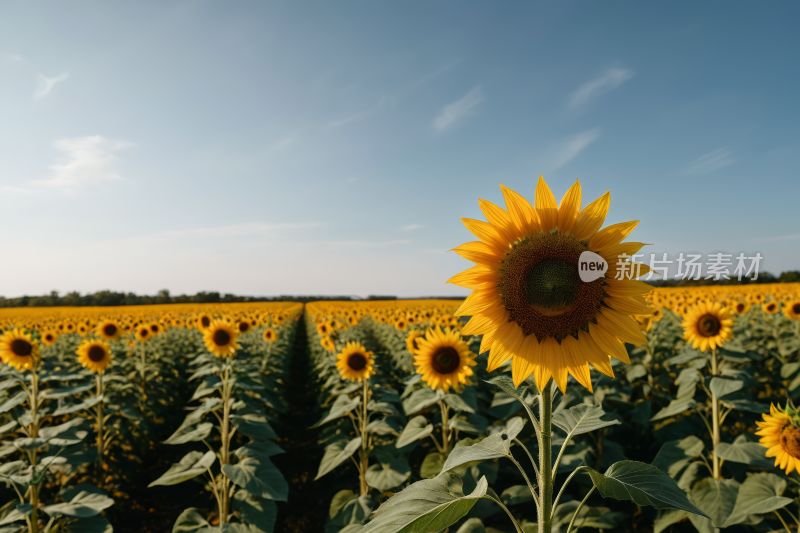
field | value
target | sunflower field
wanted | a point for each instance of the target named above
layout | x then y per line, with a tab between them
542	402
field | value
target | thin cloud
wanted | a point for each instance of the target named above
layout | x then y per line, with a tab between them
89	162
45	85
452	113
610	80
356	116
411	227
574	146
710	162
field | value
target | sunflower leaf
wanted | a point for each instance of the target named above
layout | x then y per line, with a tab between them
674	455
424	506
721	387
581	419
643	484
759	494
420	399
417	428
82	505
522	394
388	471
341	407
675	407
492	447
256	474
193	464
186	434
74	408
336	453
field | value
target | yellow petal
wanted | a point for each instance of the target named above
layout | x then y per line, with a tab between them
500	219
611	235
622	326
521	212
486	232
546	206
569	208
591	219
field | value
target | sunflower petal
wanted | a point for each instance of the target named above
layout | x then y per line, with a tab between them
591	219
611	235
569	208
546	206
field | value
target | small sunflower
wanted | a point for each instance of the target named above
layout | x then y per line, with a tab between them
19	350
401	324
411	342
444	359
352	320
49	338
143	332
771	307
270	335
740	307
82	329
220	339
243	326
108	330
707	326
792	310
94	355
203	321
156	328
781	437
327	343
355	362
323	328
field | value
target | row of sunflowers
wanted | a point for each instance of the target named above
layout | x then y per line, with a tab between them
88	396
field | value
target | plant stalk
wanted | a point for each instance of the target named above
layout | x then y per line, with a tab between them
546	459
100	432
363	453
715	420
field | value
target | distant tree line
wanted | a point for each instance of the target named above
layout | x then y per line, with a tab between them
792	276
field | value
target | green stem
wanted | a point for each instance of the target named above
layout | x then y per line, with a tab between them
715	420
564	486
364	452
574	516
782	521
34	433
224	452
445	428
546	459
100	420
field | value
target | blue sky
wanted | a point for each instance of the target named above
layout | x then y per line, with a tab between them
273	148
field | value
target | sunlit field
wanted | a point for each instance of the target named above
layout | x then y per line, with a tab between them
280	417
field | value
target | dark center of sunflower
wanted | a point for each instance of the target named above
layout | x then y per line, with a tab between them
221	337
770	307
110	330
154	328
708	326
96	354
48	337
144	332
739	308
21	347
790	440
796	308
244	326
357	361
205	321
446	360
541	289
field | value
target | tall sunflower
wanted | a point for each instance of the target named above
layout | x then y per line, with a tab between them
781	437
269	335
143	332
528	300
108	330
355	362
792	310
444	359
220	339
94	355
707	326
19	350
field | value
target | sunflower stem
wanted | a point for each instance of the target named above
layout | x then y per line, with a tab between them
224	452
574	516
715	420
100	420
445	428
546	460
364	451
34	433
785	525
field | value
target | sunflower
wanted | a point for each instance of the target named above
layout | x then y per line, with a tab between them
781	437
220	339
411	343
19	350
707	326
270	335
352	320
243	326
771	307
156	328
528	300
355	362
792	310
327	343
82	329
203	321
323	328
94	355
658	314
401	324
143	332
108	330
49	337
740	307
444	359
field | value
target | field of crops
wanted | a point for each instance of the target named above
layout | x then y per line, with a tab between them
274	417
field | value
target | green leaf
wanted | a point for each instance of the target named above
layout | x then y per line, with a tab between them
720	387
389	471
746	405
341	407
417	428
716	498
469	423
190	434
492	447
253	425
83	505
255	511
92	524
193	464
668	517
675	407
465	401
749	453
643	484
420	399
70	432
759	494
336	453
18	399
74	408
522	394
674	455
63	392
190	520
426	506
256	474
581	419
432	465
473	525
516	494
384	426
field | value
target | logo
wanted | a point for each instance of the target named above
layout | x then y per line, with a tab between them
591	266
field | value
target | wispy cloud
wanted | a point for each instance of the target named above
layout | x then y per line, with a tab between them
611	79
355	117
574	146
411	227
710	162
45	85
452	113
89	162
